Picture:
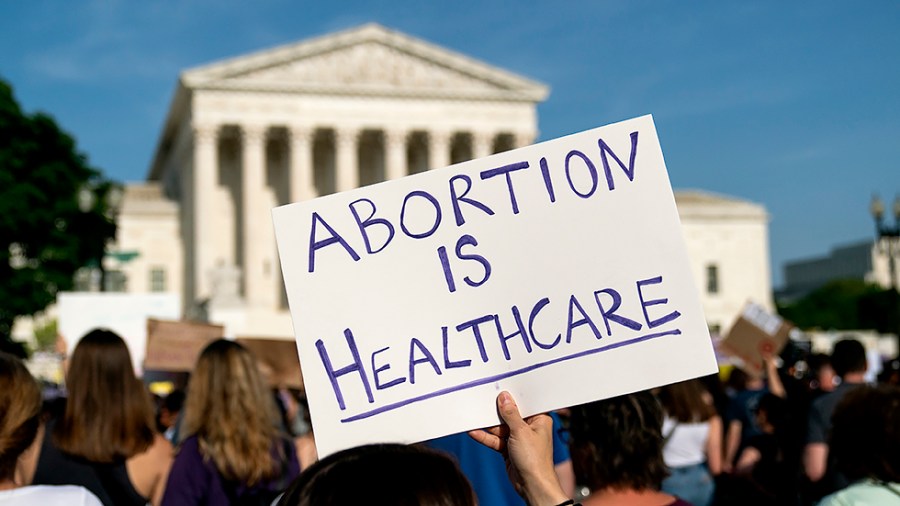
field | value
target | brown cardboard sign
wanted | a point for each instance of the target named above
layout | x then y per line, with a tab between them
756	332
175	345
278	360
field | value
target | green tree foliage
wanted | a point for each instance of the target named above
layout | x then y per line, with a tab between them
846	304
45	236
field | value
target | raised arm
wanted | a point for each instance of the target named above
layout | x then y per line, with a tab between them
527	448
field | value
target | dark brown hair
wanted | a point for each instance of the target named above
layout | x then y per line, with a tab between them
687	402
382	474
109	415
20	411
848	356
865	434
617	443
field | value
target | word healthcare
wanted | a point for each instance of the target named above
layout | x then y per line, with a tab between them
556	271
490	328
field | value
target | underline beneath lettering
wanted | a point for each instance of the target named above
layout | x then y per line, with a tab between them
508	374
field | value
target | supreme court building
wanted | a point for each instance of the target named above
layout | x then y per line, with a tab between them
330	114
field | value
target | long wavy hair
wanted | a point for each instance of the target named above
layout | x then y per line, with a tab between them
109	415
20	410
231	411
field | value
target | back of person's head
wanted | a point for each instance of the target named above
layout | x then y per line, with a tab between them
382	474
617	443
865	434
687	401
109	414
230	410
774	409
848	356
20	411
737	379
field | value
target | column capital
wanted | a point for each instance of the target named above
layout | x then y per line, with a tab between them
205	132
346	135
524	138
253	133
395	136
302	133
440	136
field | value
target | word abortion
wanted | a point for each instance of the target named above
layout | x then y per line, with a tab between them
421	213
425	359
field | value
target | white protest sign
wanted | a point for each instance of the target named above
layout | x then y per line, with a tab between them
556	271
125	314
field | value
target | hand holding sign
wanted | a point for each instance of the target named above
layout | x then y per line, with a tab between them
556	271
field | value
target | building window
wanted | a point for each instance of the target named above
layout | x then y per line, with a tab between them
115	281
157	279
712	279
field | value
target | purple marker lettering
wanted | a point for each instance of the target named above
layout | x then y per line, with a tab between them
316	245
645	304
610	314
356	366
629	171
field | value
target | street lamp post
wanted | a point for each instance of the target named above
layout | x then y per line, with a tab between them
888	240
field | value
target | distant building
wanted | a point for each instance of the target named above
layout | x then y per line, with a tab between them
331	114
864	261
728	243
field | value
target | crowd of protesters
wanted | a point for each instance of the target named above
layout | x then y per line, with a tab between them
806	430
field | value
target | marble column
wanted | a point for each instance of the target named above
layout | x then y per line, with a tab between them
205	164
303	186
346	163
438	149
482	144
395	154
258	230
522	139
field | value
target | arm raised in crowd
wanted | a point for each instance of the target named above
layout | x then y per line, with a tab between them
527	448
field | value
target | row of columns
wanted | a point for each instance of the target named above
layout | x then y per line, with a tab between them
259	241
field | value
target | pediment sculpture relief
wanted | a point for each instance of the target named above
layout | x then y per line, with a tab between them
369	64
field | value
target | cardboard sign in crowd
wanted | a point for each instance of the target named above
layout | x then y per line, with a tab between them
556	271
756	333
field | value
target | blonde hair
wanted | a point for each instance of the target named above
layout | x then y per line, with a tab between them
20	399
109	415
231	411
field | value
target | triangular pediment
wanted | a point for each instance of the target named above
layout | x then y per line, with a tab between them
370	60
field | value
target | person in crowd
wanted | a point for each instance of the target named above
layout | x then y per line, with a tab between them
232	451
305	442
741	415
849	362
382	474
486	470
762	464
168	416
106	439
822	378
617	450
20	425
865	443
692	434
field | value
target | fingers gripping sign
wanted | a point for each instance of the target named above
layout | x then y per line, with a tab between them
527	447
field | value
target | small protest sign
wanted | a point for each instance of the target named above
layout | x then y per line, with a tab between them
756	332
279	360
175	345
557	272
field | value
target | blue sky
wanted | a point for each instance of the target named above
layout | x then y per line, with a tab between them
794	105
